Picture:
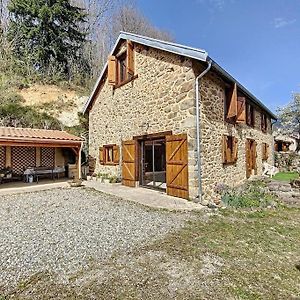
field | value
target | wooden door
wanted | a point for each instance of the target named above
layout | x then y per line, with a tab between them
251	154
129	163
177	165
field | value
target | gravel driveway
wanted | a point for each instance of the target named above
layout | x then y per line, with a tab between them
63	230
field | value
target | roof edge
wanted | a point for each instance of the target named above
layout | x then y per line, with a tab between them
242	88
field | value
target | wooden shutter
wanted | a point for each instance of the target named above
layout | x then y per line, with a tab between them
177	165
265	151
224	149
101	155
130	59
235	149
241	110
254	156
112	70
248	159
232	109
129	153
116	154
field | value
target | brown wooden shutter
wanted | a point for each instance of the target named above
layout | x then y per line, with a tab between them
254	157
129	153
116	154
130	59
177	165
224	149
248	159
241	110
232	110
235	149
112	70
101	155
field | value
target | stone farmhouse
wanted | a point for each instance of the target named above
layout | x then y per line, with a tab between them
166	116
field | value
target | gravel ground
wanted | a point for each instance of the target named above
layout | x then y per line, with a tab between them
64	230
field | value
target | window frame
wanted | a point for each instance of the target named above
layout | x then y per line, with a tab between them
250	114
121	58
264	122
105	150
265	151
233	149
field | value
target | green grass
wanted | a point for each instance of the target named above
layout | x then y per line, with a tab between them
286	176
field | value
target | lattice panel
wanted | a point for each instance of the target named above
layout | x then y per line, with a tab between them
48	157
2	157
22	158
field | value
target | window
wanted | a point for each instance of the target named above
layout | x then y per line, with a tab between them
234	106
250	115
265	151
121	67
264	122
109	155
230	149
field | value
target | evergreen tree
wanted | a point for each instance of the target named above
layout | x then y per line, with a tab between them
47	35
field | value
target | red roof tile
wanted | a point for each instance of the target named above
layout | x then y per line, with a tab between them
39	135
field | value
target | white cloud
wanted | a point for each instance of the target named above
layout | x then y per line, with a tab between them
282	22
218	4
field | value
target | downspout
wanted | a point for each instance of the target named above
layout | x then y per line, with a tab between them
198	130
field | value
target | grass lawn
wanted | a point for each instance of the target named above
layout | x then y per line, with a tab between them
286	176
217	255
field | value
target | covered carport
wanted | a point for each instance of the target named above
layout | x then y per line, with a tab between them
24	149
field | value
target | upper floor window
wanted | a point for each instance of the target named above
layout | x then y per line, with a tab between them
250	115
264	122
121	67
234	106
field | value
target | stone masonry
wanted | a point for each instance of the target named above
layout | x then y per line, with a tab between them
162	98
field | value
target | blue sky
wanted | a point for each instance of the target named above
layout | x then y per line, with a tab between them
257	42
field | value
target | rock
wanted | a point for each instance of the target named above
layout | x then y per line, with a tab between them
285	188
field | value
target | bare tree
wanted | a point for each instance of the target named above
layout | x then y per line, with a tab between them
130	19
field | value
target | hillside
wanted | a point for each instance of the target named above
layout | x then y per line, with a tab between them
64	104
41	105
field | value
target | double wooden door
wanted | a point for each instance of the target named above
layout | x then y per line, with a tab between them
176	164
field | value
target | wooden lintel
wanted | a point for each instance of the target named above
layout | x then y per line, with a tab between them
35	144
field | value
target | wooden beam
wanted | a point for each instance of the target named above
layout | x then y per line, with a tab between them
42	144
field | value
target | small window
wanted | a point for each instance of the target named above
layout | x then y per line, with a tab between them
230	147
109	155
122	68
264	123
265	151
230	104
250	116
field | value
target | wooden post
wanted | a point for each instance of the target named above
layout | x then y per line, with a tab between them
38	156
8	157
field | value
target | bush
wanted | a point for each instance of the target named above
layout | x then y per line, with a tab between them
251	195
16	115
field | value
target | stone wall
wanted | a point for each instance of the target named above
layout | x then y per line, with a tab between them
287	161
213	127
161	99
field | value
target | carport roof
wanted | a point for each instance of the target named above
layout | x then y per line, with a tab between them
30	136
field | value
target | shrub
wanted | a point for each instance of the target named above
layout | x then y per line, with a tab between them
251	195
